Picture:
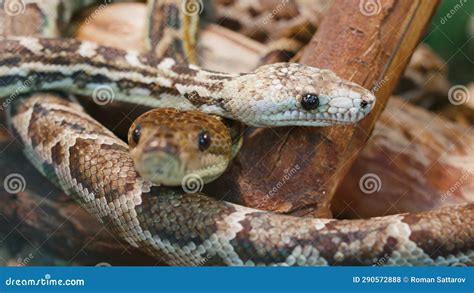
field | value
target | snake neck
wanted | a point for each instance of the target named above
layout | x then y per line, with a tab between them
207	91
108	74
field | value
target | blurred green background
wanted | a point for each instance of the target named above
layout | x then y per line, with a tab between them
451	35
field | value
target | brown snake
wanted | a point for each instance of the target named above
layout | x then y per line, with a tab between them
90	163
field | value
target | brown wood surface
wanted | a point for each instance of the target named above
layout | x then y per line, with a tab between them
417	161
21	24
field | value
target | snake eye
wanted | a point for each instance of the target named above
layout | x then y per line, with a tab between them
310	101
136	133
363	104
204	140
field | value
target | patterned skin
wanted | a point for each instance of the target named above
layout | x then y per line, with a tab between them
192	229
167	145
279	94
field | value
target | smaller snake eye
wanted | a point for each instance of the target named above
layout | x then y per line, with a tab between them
363	104
204	140
310	101
136	133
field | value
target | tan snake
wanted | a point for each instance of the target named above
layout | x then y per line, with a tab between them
273	95
69	147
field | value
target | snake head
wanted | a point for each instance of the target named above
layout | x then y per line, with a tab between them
170	147
294	94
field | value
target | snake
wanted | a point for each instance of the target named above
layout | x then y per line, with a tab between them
284	26
98	170
273	95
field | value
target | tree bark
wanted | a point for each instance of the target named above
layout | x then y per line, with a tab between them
414	161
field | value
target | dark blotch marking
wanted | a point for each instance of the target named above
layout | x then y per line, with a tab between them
230	23
426	240
220	77
172	13
81	78
111	54
79	128
60	46
249	250
195	98
389	247
10	60
57	153
253	12
160	204
199	101
277	56
184	69
38	112
157	91
114	147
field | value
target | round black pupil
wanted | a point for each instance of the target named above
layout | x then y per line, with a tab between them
136	133
363	104
310	101
204	140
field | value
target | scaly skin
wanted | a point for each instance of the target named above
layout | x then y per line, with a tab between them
167	145
193	229
267	97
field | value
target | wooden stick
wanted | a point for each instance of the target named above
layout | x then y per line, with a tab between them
414	161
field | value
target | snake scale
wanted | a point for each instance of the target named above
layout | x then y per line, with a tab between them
88	162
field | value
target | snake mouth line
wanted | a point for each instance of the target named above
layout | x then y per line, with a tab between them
312	121
323	122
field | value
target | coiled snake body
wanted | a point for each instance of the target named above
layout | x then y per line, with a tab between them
88	162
